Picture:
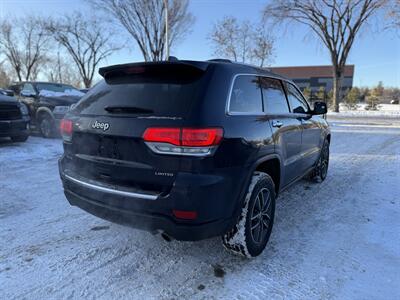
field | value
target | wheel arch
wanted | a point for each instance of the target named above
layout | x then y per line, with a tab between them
42	111
272	166
263	164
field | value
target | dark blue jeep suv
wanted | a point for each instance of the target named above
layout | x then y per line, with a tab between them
192	149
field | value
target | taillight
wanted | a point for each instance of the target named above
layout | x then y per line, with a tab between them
183	141
66	127
201	137
163	135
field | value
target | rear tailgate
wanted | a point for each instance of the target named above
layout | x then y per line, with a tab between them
109	122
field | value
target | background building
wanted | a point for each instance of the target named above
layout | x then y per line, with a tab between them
315	77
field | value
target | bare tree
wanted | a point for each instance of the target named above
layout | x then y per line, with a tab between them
87	41
224	36
145	22
24	44
335	22
241	41
394	14
5	80
60	69
263	48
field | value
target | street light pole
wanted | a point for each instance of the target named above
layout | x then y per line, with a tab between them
166	29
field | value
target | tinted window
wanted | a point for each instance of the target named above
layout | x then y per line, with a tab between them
296	100
273	96
151	90
54	87
15	88
246	95
28	88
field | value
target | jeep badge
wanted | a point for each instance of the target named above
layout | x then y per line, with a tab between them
100	125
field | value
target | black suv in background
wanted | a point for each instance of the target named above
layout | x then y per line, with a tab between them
14	119
47	103
192	149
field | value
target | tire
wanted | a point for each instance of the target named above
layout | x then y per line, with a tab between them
320	171
19	138
47	126
246	238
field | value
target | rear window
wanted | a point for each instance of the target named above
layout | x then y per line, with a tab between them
164	90
246	95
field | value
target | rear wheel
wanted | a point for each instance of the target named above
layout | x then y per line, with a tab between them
321	169
253	229
47	126
20	138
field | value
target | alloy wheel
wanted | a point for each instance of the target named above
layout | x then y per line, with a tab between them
261	216
45	127
324	161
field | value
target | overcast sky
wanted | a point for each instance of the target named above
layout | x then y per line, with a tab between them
375	54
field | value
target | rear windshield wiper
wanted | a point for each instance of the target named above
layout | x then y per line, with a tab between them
128	110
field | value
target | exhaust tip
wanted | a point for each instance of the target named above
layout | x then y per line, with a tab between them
166	237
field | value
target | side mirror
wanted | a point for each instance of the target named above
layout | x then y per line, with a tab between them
28	94
320	108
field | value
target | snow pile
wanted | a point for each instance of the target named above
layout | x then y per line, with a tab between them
66	93
389	107
357	107
362	110
366	113
383	110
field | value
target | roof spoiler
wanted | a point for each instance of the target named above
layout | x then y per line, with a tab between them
221	60
142	65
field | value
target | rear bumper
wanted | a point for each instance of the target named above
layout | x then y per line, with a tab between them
147	221
213	197
18	127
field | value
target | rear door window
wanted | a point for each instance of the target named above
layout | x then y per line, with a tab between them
274	96
152	90
246	95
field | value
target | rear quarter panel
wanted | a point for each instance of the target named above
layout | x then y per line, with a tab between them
247	138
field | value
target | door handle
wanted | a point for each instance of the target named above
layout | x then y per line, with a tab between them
277	124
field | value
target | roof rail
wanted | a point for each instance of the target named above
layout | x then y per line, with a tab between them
221	60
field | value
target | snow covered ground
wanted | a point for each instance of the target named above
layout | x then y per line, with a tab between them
339	239
362	109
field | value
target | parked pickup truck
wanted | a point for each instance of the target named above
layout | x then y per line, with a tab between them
47	103
14	119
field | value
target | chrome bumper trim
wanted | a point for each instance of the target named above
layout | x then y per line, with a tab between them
111	191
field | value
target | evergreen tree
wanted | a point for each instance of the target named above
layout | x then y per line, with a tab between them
307	92
353	97
321	93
